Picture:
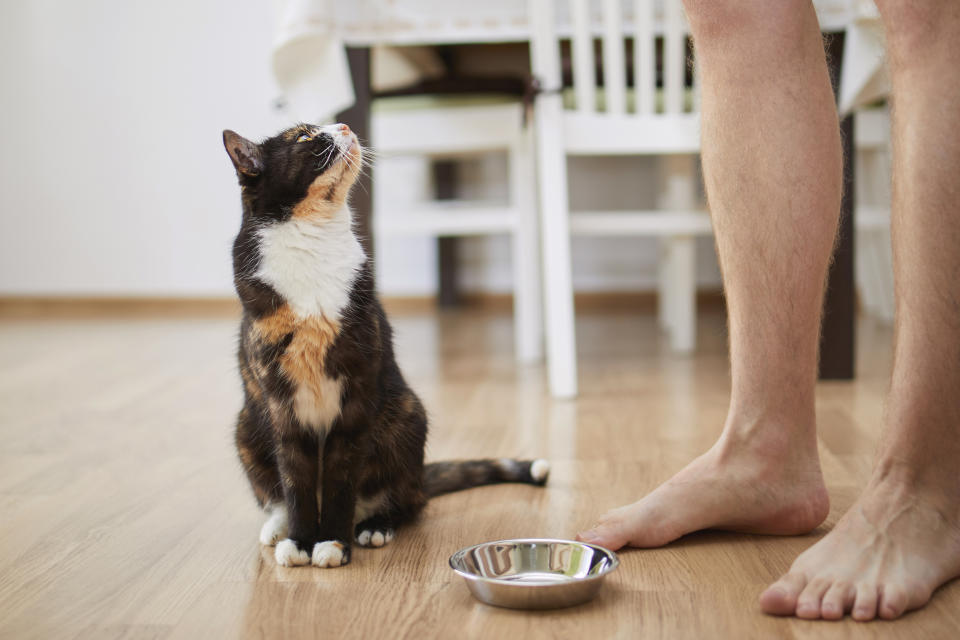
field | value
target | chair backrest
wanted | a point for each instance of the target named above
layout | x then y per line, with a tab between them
639	22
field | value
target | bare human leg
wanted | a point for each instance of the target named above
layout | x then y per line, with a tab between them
772	165
901	539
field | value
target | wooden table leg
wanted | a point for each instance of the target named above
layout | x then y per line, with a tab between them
838	336
358	117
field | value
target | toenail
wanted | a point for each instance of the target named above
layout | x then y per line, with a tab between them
587	536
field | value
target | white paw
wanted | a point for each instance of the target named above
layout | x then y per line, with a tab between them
288	555
275	528
539	470
328	554
368	538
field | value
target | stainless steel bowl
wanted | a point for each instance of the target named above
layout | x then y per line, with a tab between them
534	573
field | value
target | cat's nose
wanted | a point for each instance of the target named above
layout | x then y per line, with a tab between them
344	130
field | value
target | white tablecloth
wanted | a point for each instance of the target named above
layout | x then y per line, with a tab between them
310	64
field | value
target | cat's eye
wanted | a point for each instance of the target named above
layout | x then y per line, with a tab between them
304	137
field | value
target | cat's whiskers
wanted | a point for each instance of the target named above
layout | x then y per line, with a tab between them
360	170
369	156
326	157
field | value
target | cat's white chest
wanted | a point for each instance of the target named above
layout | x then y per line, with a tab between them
311	264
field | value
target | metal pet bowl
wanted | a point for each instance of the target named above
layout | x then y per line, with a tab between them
534	573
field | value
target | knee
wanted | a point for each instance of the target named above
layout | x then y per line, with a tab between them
913	26
717	19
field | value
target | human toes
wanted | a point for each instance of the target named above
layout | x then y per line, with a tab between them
609	532
892	602
780	598
865	602
808	603
837	600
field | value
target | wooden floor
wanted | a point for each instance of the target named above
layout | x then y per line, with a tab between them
125	513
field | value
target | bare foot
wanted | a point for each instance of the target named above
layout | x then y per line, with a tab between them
744	483
889	552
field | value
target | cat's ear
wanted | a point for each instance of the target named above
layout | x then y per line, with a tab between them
245	155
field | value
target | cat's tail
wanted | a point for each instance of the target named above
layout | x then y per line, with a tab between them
446	477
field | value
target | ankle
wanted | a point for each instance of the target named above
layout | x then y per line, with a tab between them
899	485
774	435
938	483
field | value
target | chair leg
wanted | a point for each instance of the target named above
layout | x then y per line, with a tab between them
555	240
883	250
664	201
681	259
664	302
866	278
866	285
873	257
678	283
527	306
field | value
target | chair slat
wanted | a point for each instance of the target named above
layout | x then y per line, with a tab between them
544	47
584	75
644	57
614	69
674	56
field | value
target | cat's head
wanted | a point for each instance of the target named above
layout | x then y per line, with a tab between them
305	171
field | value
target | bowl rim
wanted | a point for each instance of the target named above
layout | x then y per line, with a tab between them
611	555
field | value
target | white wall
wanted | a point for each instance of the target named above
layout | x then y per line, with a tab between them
113	178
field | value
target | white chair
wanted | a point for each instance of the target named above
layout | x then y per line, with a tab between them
448	127
670	129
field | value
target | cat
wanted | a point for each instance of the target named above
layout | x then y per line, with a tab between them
330	435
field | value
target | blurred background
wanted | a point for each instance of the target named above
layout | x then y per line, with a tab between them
115	183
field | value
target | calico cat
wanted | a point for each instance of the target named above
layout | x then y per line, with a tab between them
330	435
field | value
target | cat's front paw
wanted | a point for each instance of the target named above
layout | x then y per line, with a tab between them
330	553
275	528
288	554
